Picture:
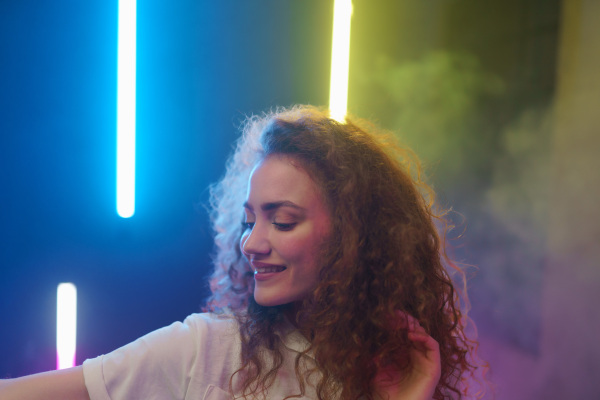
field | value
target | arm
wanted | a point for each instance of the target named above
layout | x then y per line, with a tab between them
66	384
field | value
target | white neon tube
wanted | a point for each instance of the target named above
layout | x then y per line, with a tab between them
66	325
340	59
126	108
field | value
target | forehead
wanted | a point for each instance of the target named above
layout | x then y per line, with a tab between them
281	178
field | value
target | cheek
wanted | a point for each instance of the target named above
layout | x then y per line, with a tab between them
305	249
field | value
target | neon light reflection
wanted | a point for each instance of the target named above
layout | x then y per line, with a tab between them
126	109
66	325
340	59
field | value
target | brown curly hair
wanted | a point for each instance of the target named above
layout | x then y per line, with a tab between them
385	255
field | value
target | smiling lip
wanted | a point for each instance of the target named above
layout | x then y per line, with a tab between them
266	270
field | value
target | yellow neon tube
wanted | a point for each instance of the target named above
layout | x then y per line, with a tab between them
340	57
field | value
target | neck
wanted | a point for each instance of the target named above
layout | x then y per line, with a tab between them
291	313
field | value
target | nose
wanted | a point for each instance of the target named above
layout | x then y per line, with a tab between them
255	242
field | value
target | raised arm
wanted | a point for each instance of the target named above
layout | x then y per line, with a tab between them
66	384
421	380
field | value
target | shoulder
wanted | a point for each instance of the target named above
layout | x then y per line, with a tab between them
196	347
210	328
211	323
197	334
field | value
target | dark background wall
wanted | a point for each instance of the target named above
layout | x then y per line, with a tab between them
497	97
201	68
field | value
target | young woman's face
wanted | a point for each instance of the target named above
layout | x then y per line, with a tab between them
286	226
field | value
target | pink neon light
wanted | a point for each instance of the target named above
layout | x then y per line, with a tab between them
66	325
64	363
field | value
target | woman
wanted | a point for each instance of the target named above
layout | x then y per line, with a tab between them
329	283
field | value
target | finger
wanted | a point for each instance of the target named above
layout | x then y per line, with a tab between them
418	336
400	321
404	320
427	348
424	339
413	323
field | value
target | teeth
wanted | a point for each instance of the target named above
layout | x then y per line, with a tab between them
266	270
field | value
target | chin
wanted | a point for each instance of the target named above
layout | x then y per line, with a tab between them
268	302
271	301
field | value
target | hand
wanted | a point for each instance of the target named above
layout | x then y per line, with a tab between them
420	381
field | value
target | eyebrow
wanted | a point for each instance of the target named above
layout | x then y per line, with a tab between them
275	205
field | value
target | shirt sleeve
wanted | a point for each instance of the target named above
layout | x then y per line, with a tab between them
156	366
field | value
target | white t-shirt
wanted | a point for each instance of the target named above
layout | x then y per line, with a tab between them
190	360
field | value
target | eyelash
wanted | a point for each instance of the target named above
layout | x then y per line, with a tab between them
280	226
284	227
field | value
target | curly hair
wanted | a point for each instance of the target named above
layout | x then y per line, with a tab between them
384	255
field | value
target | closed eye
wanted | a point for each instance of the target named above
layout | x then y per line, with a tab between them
284	227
